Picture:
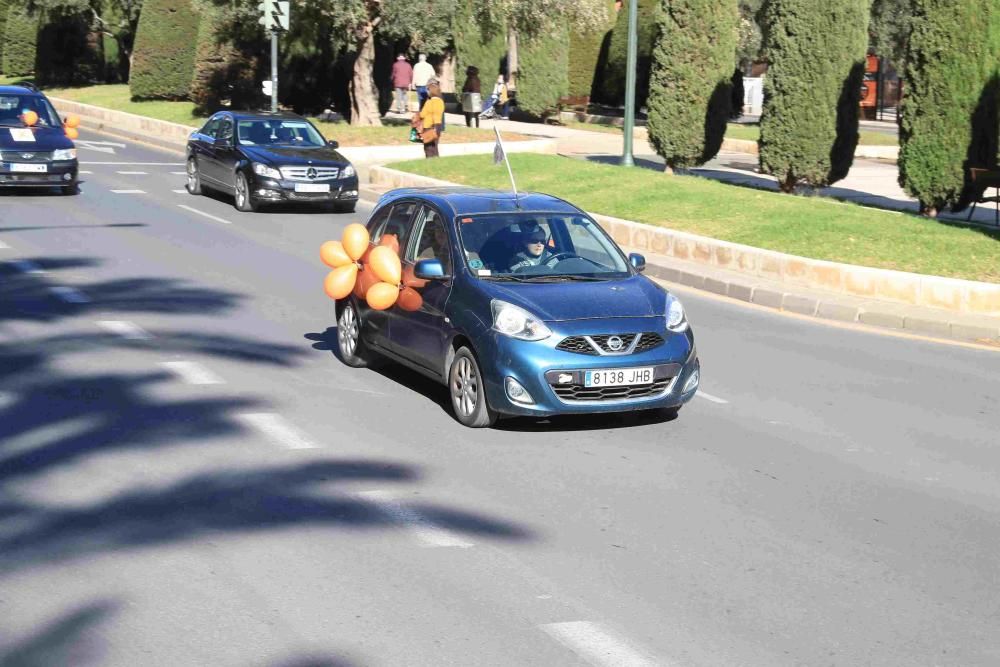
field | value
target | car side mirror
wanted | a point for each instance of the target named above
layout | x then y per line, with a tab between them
637	261
333	143
429	269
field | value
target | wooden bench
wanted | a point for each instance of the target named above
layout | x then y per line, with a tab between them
984	180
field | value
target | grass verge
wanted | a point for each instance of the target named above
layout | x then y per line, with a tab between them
806	226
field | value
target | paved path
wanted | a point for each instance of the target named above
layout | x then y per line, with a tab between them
189	476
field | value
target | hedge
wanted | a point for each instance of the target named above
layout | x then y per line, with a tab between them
691	82
20	39
4	8
809	124
542	78
612	90
484	47
949	111
585	56
165	43
73	52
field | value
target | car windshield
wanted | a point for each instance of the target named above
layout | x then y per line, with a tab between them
538	247
278	133
12	108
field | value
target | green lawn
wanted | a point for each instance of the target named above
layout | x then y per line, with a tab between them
868	137
807	226
116	96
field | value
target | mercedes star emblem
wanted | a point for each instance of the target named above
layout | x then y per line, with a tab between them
311	173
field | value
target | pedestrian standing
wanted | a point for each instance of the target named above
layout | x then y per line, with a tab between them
502	96
472	85
423	72
402	81
431	119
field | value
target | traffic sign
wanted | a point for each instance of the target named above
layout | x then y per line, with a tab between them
274	14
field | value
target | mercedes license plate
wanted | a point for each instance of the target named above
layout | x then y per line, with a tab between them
618	377
31	168
312	187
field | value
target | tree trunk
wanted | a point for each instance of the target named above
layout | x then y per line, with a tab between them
788	183
448	83
512	64
928	210
364	94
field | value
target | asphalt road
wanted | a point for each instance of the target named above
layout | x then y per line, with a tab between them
188	476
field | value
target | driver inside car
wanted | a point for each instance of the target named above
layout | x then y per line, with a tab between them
533	252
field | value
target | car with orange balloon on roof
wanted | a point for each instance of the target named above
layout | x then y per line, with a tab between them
36	146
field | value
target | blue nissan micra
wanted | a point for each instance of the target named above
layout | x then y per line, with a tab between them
521	306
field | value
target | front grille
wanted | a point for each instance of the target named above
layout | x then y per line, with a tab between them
302	173
598	345
578	392
19	156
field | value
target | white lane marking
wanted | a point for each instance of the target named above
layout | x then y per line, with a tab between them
424	530
69	294
276	428
709	397
85	172
207	215
596	645
4	246
138	164
125	329
192	372
179	173
182	191
133	173
27	266
129	192
99	146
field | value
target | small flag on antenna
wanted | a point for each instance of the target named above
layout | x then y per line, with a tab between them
498	155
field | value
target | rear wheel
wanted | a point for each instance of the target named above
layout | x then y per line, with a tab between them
243	199
349	344
193	177
468	391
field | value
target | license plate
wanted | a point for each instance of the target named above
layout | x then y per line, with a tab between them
312	187
618	377
32	168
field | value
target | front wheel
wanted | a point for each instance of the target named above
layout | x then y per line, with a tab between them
243	199
193	177
468	391
349	344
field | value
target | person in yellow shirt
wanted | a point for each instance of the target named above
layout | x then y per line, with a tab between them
432	119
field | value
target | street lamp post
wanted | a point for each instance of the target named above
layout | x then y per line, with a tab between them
630	66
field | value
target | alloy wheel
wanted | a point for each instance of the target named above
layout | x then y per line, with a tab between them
347	332
192	174
465	388
241	192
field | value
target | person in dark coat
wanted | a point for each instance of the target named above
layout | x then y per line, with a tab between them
472	85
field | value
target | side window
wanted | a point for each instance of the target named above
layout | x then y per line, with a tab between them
226	129
431	239
377	222
211	127
398	223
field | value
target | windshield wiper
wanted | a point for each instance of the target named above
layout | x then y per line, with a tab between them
513	279
570	277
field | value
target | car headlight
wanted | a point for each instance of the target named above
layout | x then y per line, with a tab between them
64	154
676	319
264	170
347	172
516	322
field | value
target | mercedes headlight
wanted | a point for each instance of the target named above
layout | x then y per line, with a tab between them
516	322
64	154
676	319
347	172
267	172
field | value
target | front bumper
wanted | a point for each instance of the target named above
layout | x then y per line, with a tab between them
274	190
554	378
55	174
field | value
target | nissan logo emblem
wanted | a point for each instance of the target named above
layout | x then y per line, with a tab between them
615	343
310	173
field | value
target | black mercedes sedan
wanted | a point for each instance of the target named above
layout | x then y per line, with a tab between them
262	158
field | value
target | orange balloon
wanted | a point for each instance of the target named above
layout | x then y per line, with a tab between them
72	133
410	299
390	241
385	263
30	118
410	280
366	278
355	240
72	120
340	281
382	296
333	254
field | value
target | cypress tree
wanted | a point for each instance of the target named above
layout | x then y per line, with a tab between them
4	8
479	44
542	78
691	84
816	52
613	88
165	44
20	40
584	58
948	118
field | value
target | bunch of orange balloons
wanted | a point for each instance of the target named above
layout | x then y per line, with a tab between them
371	272
72	122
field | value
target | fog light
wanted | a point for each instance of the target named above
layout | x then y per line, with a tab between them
349	193
692	381
67	177
517	393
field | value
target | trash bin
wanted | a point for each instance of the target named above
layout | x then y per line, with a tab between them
472	103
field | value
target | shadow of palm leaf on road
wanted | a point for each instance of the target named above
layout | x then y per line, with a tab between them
64	641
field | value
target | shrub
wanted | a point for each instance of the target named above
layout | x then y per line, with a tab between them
809	125
691	83
4	8
613	87
72	50
165	42
542	78
20	40
949	110
479	44
584	58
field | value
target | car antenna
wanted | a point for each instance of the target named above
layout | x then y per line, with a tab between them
500	155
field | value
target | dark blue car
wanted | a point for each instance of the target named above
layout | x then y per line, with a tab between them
523	307
37	156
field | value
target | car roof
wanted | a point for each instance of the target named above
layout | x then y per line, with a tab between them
19	90
464	200
261	115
